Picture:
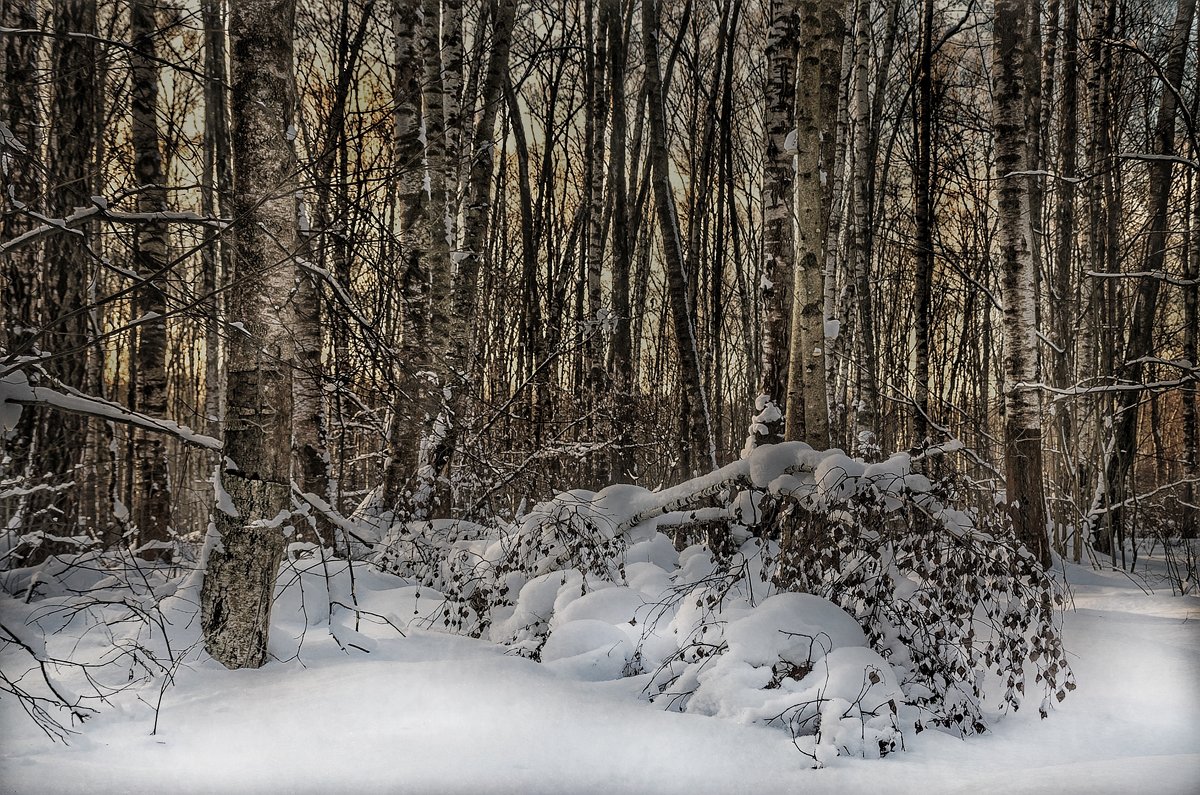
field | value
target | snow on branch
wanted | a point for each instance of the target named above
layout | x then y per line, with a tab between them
16	391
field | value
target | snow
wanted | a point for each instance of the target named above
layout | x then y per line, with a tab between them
431	712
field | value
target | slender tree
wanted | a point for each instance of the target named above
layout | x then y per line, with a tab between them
695	432
821	31
779	212
152	492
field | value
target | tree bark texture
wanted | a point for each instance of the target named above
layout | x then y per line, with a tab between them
244	560
407	489
779	208
1022	401
821	31
152	490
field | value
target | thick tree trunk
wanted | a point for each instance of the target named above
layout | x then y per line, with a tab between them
821	31
152	491
253	485
698	449
1022	401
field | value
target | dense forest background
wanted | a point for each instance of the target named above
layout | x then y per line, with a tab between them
499	249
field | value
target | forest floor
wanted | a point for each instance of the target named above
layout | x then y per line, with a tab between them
436	713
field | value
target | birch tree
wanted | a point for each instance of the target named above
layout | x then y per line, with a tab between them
1022	400
779	199
821	31
253	483
152	494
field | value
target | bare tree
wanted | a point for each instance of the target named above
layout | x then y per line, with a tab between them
697	449
779	197
152	493
1022	401
821	31
254	482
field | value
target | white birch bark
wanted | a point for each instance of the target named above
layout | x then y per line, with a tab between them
1022	401
254	483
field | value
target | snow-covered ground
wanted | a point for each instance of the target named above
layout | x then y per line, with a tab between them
434	713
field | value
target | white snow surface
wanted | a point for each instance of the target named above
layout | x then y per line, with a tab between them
371	711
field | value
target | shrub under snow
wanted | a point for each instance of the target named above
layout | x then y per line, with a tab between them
845	603
915	614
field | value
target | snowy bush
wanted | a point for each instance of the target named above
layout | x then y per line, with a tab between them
913	614
844	603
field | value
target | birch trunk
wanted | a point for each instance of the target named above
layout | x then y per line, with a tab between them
477	205
152	491
779	208
254	482
821	32
406	488
1022	401
865	441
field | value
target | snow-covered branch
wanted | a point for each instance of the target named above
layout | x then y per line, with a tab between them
16	391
